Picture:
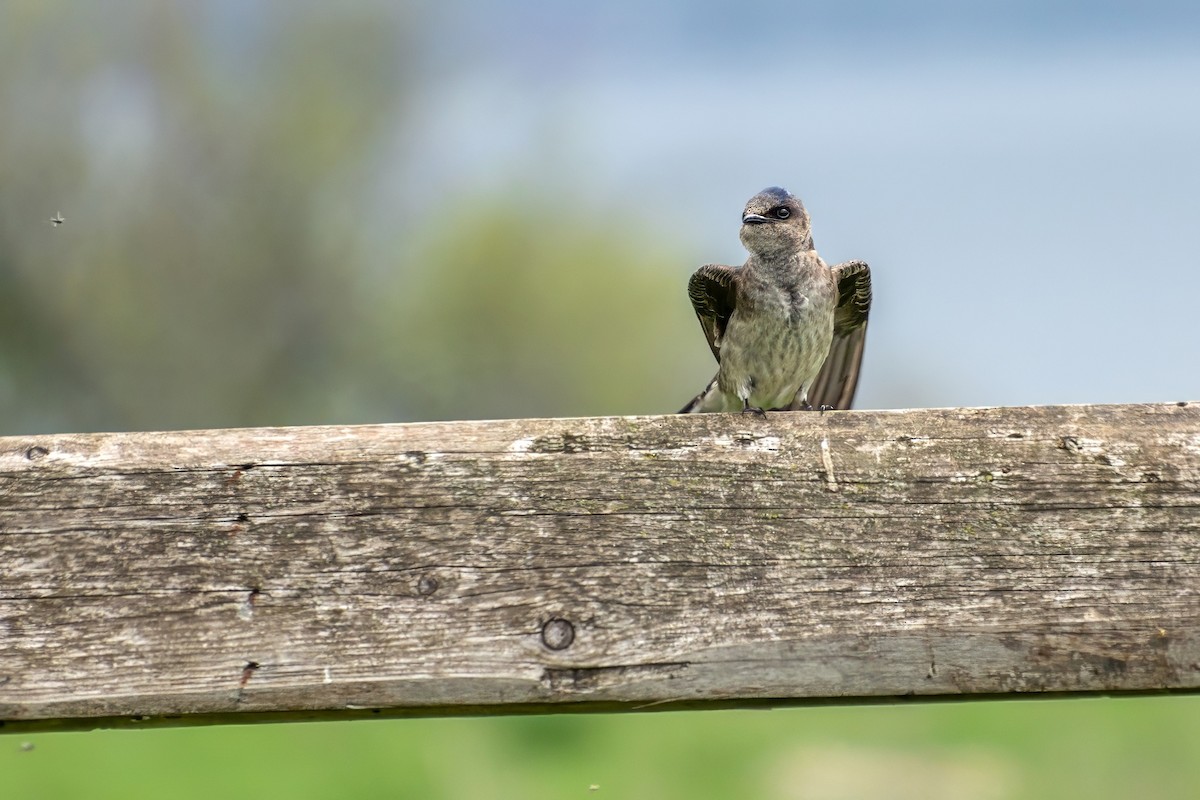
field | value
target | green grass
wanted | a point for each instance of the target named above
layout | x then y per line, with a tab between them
1083	748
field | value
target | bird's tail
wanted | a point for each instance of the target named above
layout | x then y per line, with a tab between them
711	399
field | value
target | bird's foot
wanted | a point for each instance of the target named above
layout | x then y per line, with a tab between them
749	409
823	408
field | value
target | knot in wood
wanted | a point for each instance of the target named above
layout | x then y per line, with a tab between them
427	585
557	634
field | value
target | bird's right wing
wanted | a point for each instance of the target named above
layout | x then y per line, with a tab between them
713	293
835	384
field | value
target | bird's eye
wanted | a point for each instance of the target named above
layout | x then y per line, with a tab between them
781	213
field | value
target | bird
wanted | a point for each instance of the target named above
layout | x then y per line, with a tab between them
786	329
57	219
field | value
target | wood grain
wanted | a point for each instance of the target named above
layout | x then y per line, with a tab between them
609	563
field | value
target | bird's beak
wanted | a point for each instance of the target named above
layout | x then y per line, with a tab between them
753	219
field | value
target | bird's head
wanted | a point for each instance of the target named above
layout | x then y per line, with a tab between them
775	221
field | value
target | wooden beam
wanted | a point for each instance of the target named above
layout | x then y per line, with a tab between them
609	563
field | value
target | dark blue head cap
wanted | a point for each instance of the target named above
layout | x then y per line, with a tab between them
777	194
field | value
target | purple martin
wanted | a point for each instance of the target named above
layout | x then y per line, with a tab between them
787	331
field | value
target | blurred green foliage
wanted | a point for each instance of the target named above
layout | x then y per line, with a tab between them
536	312
1040	749
234	255
222	262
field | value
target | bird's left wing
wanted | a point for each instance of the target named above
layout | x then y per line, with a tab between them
713	293
835	384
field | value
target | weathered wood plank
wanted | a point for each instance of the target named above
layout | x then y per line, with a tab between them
575	564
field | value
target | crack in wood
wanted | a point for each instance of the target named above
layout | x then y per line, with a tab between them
590	679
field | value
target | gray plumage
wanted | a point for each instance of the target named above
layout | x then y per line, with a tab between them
787	331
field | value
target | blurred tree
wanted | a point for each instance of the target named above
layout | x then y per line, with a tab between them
526	308
213	163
